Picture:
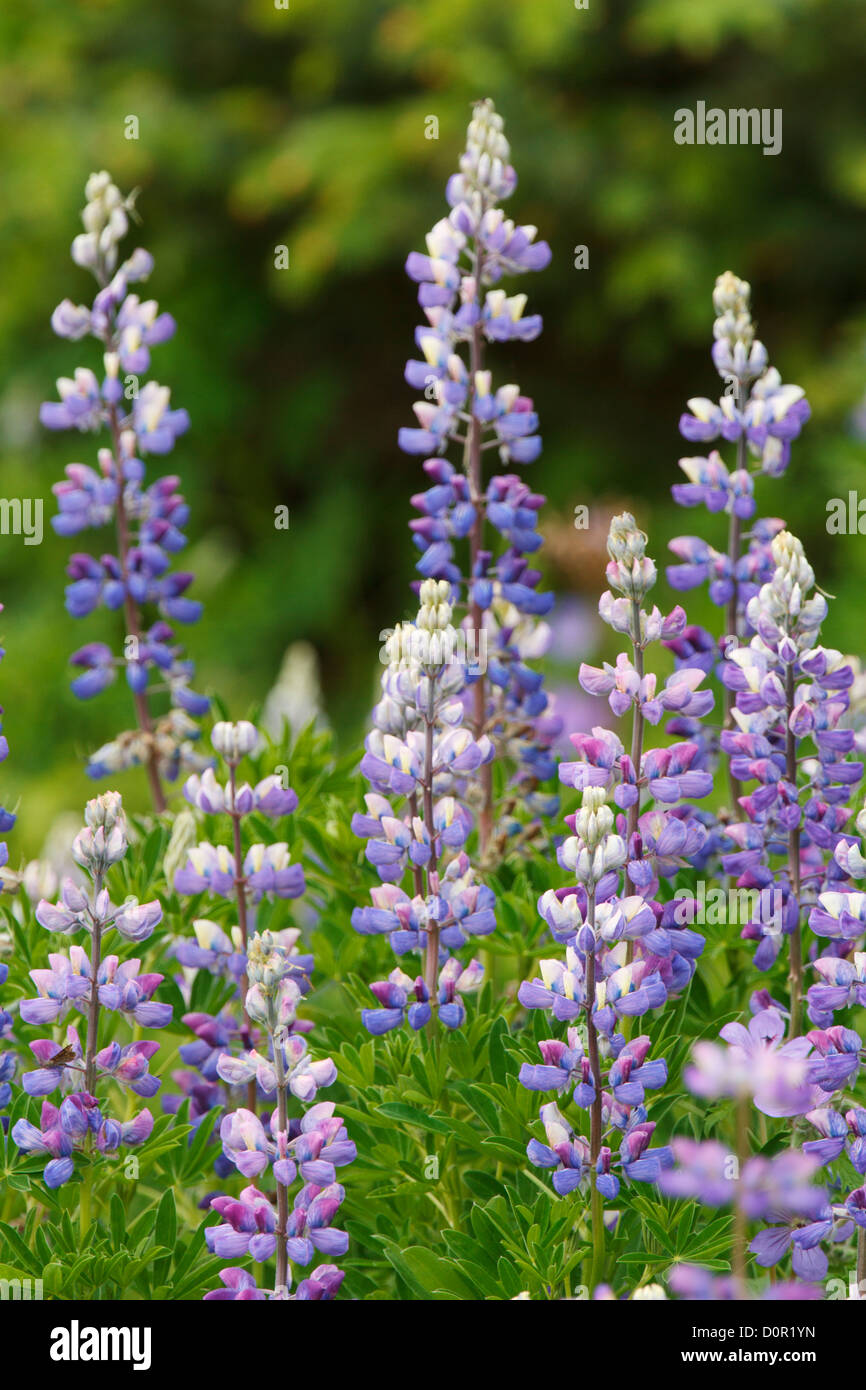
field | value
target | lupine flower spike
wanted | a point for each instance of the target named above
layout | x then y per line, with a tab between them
88	982
242	874
626	953
311	1147
469	254
762	416
137	579
419	757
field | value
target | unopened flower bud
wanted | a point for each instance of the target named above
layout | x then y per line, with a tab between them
234	741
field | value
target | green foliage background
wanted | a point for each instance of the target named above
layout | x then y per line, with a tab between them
305	126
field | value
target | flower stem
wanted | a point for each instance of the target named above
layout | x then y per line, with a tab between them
732	615
476	542
133	624
84	1202
282	1194
241	896
637	718
595	1114
741	1235
795	975
92	1042
431	960
637	732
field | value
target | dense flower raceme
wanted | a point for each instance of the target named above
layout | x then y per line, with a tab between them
760	415
788	739
465	310
310	1148
241	874
136	577
86	981
624	957
419	757
626	954
652	787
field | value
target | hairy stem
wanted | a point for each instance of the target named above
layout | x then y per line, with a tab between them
431	961
732	612
741	1234
637	716
92	1043
595	1115
241	896
795	976
476	543
132	619
282	1194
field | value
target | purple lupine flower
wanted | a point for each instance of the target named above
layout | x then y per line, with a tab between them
691	1282
8	1060
417	760
245	1143
263	1050
761	416
790	696
64	1129
129	1066
626	953
248	1229
322	1284
840	1134
89	983
239	1286
314	1147
56	1061
467	253
149	520
756	1063
263	870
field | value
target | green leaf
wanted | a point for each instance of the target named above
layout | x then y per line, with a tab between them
396	1110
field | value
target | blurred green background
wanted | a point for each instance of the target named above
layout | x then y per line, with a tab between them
260	126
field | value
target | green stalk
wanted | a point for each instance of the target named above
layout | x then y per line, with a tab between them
595	1115
795	975
282	1194
741	1235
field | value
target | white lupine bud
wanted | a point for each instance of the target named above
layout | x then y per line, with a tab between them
790	561
625	541
234	741
96	185
85	250
93	218
615	853
731	293
594	820
631	571
106	810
